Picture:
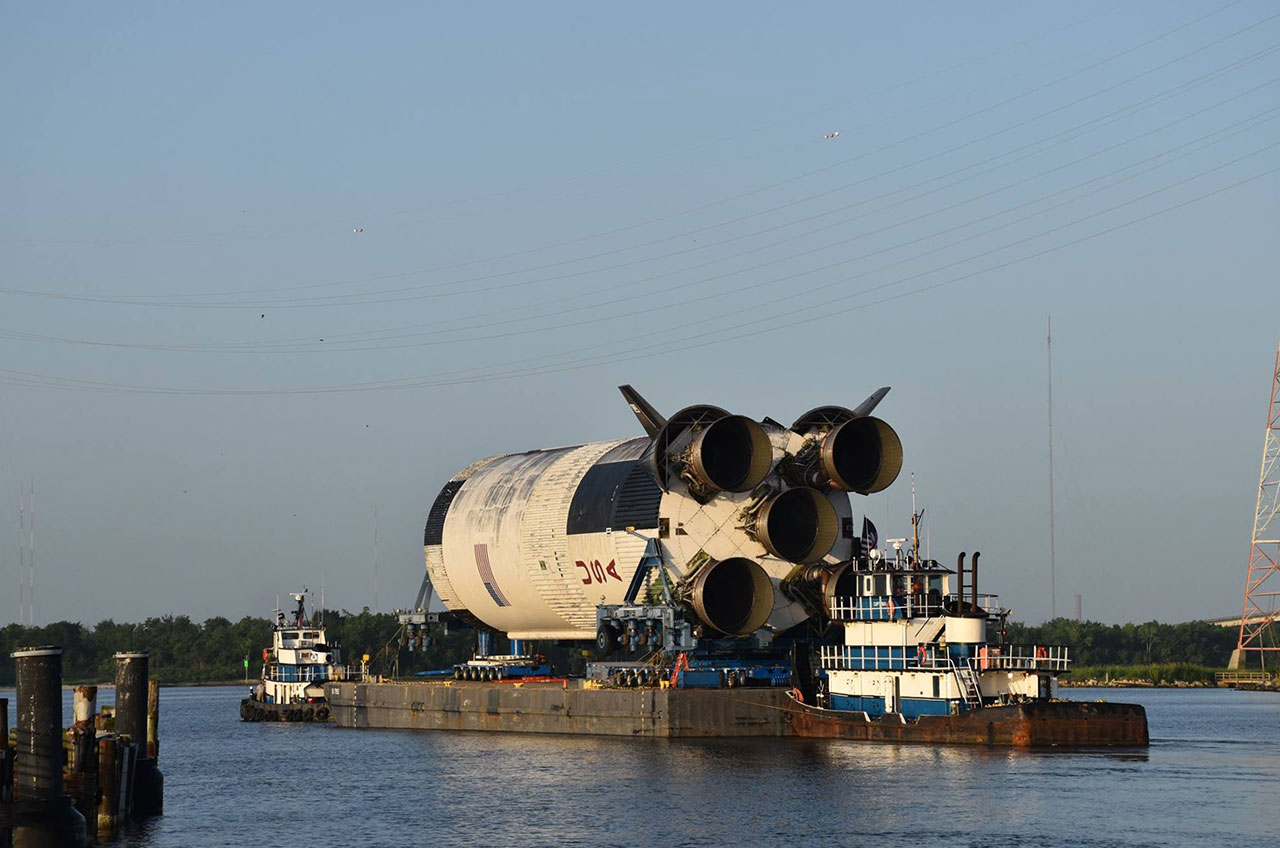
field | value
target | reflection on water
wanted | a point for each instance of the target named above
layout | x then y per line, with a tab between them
1210	777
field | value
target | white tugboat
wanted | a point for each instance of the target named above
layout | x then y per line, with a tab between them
913	658
294	670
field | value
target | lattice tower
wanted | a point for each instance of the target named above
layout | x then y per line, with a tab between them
1258	631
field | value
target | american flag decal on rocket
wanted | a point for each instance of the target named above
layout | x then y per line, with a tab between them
486	576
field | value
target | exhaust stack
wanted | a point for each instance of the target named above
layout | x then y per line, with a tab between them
798	525
733	596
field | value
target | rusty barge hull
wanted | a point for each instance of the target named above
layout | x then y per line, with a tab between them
1047	724
569	707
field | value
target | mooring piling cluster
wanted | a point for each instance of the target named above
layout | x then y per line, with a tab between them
65	788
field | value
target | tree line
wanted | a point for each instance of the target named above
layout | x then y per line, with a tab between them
185	651
1094	644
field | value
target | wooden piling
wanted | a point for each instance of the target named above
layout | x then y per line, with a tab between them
153	719
108	786
81	780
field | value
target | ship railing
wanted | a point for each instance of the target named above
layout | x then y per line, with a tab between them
936	658
1022	658
900	607
886	607
300	674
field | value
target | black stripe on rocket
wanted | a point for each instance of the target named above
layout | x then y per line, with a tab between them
614	495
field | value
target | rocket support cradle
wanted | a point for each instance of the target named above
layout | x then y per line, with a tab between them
753	520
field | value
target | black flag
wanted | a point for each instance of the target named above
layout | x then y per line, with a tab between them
869	536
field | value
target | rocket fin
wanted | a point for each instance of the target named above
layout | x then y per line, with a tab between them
870	403
649	417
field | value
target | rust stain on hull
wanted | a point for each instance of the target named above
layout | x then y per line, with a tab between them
1051	724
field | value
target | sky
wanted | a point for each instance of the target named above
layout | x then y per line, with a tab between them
271	274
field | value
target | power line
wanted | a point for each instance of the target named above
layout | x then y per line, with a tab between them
1189	148
349	299
16	377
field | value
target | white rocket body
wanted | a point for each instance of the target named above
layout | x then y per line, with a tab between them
529	544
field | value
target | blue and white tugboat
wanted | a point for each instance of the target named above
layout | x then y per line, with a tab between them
294	670
916	658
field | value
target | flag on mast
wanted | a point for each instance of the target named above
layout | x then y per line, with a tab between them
870	538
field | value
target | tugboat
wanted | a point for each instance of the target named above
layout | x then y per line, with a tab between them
913	659
294	670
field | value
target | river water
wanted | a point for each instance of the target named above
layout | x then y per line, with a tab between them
1210	777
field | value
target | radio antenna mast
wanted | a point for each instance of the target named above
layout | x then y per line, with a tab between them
31	562
1053	588
22	555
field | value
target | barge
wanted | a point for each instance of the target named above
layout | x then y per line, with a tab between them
715	566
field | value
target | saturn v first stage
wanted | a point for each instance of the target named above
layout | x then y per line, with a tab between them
745	513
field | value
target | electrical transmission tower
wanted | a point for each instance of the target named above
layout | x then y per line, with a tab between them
1262	584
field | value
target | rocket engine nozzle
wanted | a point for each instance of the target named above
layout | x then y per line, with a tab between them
733	596
817	585
861	455
798	525
732	454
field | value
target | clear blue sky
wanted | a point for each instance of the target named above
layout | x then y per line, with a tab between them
213	380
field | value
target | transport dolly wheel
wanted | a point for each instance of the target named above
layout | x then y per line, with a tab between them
606	640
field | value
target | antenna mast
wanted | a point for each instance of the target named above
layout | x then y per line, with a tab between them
375	558
1053	588
22	554
27	556
1262	583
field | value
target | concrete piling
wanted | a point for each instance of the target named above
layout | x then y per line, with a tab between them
6	777
131	695
135	711
65	788
43	816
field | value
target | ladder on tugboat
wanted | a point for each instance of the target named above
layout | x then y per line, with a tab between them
969	685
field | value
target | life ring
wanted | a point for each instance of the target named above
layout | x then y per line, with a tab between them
798	695
921	654
266	655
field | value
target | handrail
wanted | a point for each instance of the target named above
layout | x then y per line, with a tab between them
894	607
1023	658
933	657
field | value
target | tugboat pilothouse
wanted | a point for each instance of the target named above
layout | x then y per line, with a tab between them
294	670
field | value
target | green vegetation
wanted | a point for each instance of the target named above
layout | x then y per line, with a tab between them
1195	643
1159	654
1157	674
183	651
